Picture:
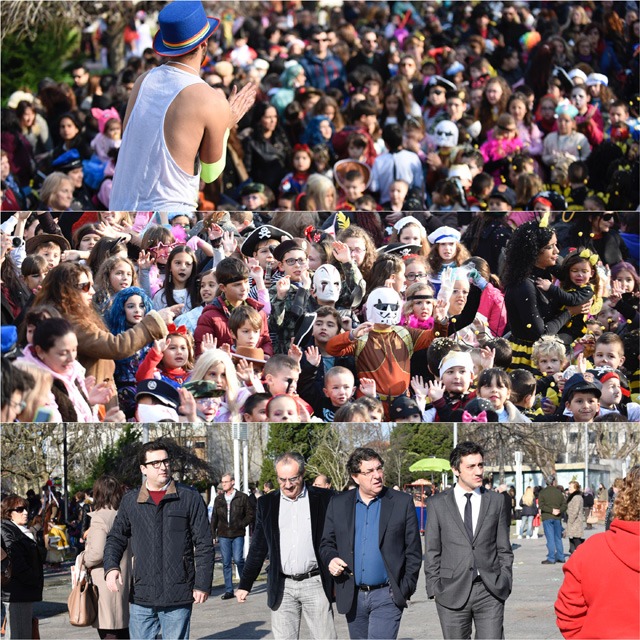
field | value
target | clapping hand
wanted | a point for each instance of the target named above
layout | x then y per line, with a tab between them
240	102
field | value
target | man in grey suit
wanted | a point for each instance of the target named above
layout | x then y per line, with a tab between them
468	557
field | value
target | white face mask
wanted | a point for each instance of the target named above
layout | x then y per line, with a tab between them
327	283
446	134
156	413
383	306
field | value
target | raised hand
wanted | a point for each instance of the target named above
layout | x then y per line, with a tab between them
440	311
436	390
241	101
245	372
256	271
215	232
419	387
187	406
368	387
161	345
294	351
145	260
314	358
362	330
208	342
487	357
229	242
341	251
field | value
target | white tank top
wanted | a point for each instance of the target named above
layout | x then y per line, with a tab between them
146	177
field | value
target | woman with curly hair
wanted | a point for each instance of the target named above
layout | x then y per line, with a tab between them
361	246
69	288
601	589
531	253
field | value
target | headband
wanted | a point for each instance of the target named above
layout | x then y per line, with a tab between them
420	296
456	359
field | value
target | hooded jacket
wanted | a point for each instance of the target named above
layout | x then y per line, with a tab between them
601	589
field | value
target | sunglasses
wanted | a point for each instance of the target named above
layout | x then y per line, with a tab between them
607	217
84	286
19	509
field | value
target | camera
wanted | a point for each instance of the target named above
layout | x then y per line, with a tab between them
16	241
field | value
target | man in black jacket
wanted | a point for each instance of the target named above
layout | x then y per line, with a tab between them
289	526
171	544
371	546
232	513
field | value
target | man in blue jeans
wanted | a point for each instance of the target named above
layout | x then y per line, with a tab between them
232	513
166	525
552	505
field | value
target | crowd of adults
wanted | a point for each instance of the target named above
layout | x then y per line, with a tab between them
546	94
455	178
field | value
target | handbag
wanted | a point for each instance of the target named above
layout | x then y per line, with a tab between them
83	601
592	518
536	520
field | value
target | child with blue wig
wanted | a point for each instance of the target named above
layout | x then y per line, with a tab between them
128	308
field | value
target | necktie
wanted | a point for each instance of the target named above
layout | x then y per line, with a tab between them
468	516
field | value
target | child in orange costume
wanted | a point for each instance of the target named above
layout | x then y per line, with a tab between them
382	347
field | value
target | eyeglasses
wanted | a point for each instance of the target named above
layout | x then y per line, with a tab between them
184	225
415	276
18	406
378	469
289	480
291	261
156	464
84	286
19	509
208	403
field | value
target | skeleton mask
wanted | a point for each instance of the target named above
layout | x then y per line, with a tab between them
327	283
383	306
446	134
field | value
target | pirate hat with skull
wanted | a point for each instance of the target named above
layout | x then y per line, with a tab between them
262	233
383	306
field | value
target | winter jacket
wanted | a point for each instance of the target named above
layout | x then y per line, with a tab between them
170	542
601	589
215	320
27	579
551	498
241	515
575	516
98	348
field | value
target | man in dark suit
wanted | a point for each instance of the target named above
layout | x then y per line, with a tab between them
289	525
371	545
468	557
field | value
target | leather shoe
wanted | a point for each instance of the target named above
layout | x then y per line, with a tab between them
227	596
543	562
561	561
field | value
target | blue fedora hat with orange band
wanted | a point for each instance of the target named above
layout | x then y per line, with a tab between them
183	26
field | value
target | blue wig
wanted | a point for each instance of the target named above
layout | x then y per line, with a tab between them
312	135
115	317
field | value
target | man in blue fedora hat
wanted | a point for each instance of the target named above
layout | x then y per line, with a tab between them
176	126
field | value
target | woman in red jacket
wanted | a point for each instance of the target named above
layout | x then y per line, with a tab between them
601	589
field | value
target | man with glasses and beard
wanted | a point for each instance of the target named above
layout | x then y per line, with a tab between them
167	526
288	529
175	122
371	546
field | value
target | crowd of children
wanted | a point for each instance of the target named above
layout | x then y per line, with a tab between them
418	329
